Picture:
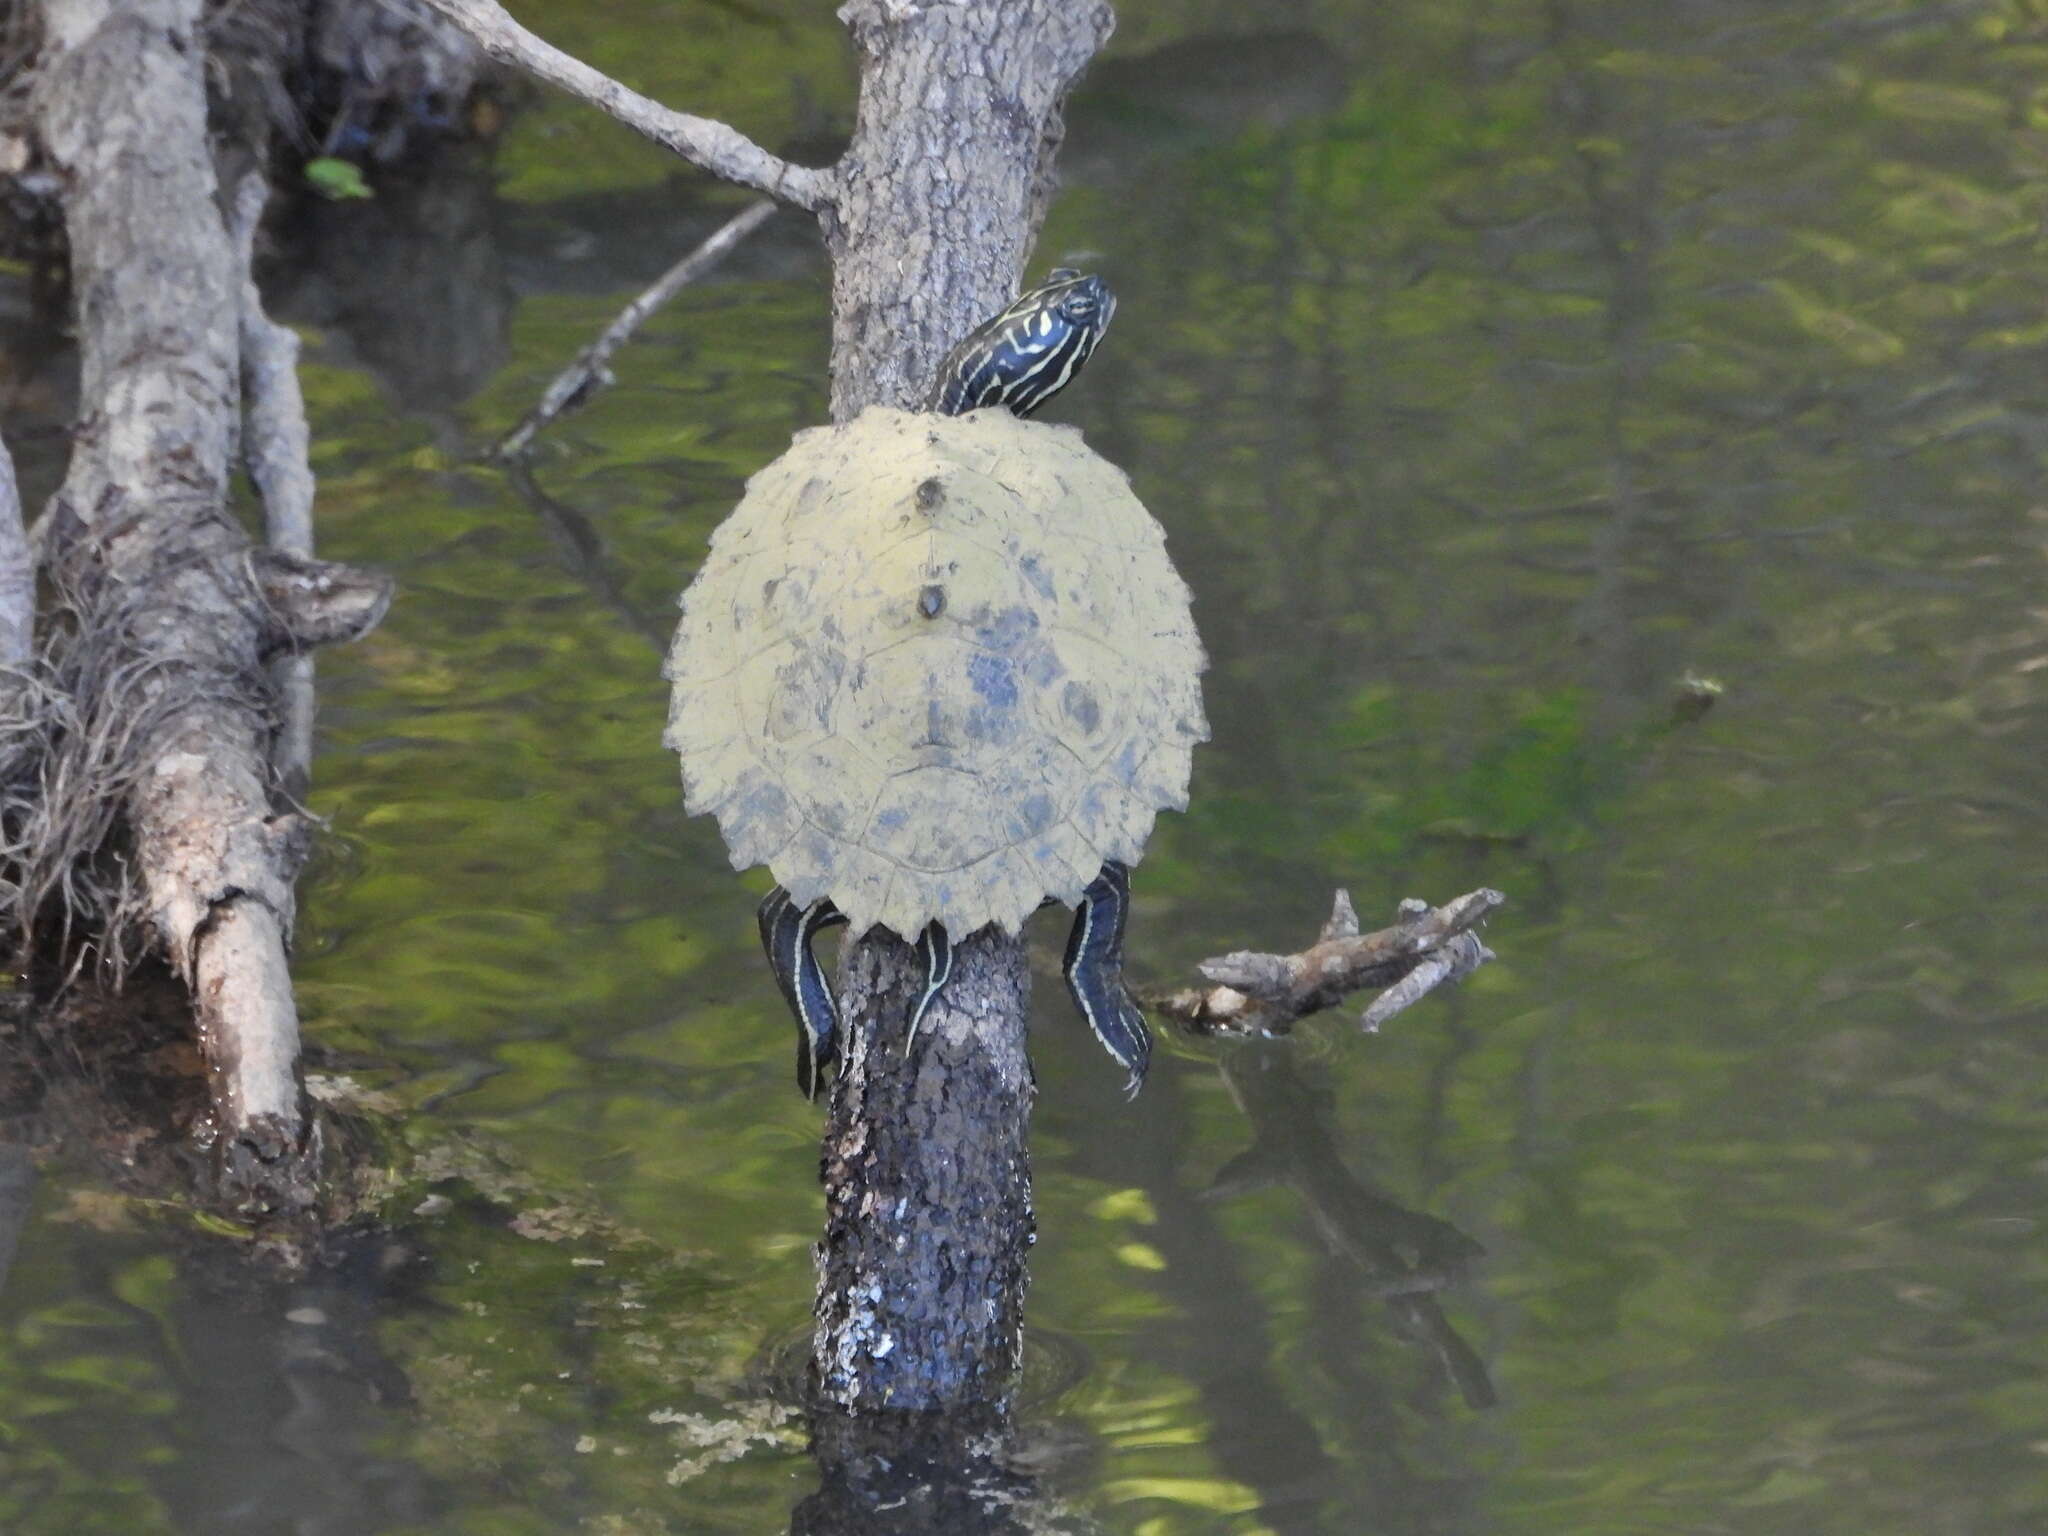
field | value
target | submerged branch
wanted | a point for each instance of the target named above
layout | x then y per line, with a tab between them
718	148
1264	994
576	385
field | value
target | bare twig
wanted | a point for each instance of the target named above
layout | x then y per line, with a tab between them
276	444
1263	994
17	574
277	448
576	385
720	149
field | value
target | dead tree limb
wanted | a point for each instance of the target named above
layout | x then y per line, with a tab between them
1264	994
722	150
277	449
17	574
176	615
576	385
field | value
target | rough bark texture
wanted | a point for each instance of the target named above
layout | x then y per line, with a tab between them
939	195
165	579
942	189
927	1183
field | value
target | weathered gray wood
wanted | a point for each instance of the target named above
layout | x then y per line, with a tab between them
1256	993
17	574
277	448
165	578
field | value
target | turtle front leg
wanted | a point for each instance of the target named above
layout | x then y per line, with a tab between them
935	949
1095	973
786	934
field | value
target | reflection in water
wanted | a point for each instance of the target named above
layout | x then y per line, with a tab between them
432	326
302	1432
896	1474
1403	1257
17	1190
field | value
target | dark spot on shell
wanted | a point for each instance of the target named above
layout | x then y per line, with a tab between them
931	493
768	589
1035	573
1003	631
1036	814
892	820
993	680
1078	700
1040	664
931	602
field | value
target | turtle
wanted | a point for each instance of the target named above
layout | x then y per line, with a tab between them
937	672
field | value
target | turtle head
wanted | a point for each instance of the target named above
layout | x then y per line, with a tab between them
1084	300
1025	355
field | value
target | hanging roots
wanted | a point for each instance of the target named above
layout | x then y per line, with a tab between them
75	730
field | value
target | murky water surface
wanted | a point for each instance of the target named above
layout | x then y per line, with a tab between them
1492	367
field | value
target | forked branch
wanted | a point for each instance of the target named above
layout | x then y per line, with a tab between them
718	148
1264	994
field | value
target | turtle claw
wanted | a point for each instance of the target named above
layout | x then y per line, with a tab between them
786	934
1094	970
935	948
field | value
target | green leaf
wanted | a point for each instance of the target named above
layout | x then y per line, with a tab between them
337	178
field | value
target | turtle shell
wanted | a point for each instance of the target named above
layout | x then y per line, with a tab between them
936	668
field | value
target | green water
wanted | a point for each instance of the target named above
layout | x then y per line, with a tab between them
1492	366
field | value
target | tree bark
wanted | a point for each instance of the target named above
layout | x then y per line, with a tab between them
173	602
921	1273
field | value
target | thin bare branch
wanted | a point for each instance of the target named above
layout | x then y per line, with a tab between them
1264	994
718	148
277	449
276	444
579	383
17	574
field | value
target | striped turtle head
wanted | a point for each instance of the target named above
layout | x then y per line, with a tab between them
1027	354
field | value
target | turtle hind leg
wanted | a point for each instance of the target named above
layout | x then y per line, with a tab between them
1094	970
935	949
786	934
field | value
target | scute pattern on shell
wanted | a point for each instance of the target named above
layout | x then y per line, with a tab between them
936	667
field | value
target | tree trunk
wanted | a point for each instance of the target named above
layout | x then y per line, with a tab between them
928	218
927	1175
